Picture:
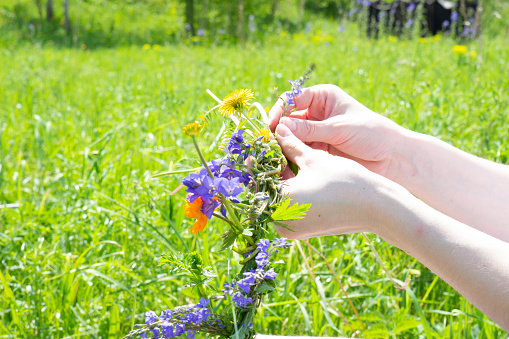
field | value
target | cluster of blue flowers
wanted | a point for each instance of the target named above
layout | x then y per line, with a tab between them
226	179
240	290
172	323
296	90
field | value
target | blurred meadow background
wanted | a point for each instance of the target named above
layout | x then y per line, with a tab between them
93	95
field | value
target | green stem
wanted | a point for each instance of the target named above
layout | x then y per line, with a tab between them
255	252
232	214
251	123
202	158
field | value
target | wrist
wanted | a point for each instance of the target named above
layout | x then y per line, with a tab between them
409	161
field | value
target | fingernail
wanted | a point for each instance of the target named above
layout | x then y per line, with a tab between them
283	131
290	123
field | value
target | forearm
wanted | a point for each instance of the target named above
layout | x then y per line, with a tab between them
469	189
472	262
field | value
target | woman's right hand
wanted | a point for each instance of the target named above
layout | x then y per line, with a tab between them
328	119
344	196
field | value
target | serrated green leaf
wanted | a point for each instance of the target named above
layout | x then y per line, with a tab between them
228	239
280	224
286	212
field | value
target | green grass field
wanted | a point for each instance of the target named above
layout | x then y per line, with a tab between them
83	131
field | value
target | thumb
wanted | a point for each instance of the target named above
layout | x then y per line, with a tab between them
309	130
292	147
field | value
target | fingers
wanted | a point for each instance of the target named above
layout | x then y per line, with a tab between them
309	131
275	114
294	149
301	102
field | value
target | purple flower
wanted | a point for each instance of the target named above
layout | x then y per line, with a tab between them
280	242
190	334
155	331
270	274
222	31
188	27
240	300
180	329
236	142
446	23
409	23
290	96
262	259
246	283
150	317
230	188
200	32
166	315
454	16
209	206
167	330
263	245
230	173
203	303
341	28
228	288
410	7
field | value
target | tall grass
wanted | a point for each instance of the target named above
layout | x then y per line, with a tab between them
82	132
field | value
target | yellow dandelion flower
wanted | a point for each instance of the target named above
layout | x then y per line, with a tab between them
234	102
459	49
473	54
193	128
392	38
146	46
265	133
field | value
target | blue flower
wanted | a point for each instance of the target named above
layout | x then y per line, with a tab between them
240	300
262	259
209	206
150	317
270	274
190	334
454	16
230	173
228	288
230	188
180	329
166	315
203	303
155	331
280	242
263	245
167	330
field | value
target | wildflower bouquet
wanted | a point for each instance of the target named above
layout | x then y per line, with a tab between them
243	189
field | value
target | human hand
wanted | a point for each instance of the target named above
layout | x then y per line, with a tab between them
344	196
326	118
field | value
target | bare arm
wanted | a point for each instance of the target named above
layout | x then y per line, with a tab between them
469	189
348	198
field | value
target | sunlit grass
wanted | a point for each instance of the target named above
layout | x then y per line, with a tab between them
83	131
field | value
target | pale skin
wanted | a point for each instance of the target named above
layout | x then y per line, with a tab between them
363	173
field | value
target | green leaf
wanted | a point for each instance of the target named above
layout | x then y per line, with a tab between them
286	212
263	288
280	224
247	232
229	238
